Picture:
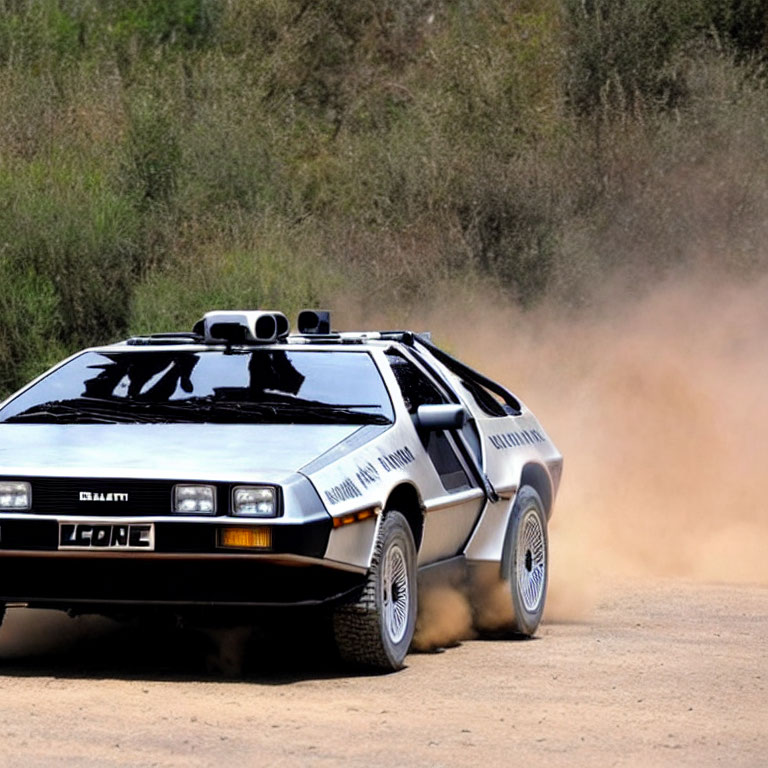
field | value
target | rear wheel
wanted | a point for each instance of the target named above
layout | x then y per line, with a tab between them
377	630
526	561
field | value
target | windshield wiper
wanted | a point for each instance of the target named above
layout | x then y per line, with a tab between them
279	411
48	413
87	411
196	410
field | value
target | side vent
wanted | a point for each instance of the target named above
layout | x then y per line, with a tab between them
314	322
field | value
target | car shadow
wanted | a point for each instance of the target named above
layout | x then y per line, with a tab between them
296	648
292	652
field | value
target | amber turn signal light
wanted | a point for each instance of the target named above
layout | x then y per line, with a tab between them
355	517
255	537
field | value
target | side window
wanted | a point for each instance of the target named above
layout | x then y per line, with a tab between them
418	390
443	454
484	399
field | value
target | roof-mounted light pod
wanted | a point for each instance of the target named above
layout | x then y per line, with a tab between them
314	322
242	327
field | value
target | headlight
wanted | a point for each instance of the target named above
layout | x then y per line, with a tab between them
254	501
15	496
194	499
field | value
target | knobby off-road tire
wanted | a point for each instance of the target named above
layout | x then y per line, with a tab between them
377	630
526	561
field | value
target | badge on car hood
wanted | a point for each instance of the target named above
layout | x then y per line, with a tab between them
93	496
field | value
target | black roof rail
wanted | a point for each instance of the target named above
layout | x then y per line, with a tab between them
461	369
319	337
174	337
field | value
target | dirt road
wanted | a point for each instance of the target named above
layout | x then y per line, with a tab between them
660	674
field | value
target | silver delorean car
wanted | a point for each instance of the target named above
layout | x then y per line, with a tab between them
242	467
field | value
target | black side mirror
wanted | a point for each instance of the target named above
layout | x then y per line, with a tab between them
438	417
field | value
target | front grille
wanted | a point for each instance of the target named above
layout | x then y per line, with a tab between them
62	496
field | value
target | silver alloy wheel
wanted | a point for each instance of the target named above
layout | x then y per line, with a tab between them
376	629
396	593
531	561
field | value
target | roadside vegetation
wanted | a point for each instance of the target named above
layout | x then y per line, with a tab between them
162	157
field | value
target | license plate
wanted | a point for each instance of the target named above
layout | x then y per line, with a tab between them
125	537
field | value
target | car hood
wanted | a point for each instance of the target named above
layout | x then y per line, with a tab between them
171	451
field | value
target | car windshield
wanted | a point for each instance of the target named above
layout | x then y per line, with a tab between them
211	386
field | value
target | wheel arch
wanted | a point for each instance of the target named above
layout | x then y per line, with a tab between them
405	499
536	476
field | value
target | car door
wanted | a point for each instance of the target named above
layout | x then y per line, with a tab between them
453	510
509	439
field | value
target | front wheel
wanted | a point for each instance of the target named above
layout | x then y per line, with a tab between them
526	561
376	631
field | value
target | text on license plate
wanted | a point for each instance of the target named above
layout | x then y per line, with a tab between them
122	536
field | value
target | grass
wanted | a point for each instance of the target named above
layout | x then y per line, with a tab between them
162	157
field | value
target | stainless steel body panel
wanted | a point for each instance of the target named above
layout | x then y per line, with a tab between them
216	452
447	526
352	545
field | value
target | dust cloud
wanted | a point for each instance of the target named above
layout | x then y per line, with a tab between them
657	397
445	618
30	632
659	405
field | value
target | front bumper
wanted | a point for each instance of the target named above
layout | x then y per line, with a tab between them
102	583
186	567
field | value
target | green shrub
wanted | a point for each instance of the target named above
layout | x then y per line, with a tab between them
153	150
62	222
623	53
163	157
47	35
264	270
30	325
